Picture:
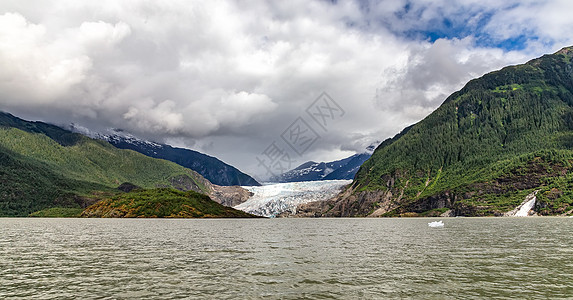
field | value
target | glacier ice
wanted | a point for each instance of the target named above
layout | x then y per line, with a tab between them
272	199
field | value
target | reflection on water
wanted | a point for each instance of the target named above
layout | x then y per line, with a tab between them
286	258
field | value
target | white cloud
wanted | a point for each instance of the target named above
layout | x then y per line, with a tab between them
548	20
98	35
152	117
33	67
433	71
39	67
228	110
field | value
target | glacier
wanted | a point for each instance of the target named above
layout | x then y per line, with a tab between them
272	199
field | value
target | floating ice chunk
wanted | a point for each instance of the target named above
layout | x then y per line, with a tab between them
436	224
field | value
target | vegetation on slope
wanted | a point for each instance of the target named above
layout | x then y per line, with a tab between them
488	145
161	203
58	212
43	166
209	167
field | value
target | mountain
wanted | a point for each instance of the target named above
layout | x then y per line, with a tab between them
500	138
348	170
209	167
45	167
336	170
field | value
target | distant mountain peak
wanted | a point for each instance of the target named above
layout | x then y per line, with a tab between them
370	149
565	50
335	170
112	135
122	135
209	167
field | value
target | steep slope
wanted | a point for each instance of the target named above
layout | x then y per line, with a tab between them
209	167
501	137
336	170
44	166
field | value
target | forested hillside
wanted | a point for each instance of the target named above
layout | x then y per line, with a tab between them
43	166
213	169
501	137
161	203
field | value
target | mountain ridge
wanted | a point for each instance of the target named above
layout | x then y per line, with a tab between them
341	169
501	137
210	167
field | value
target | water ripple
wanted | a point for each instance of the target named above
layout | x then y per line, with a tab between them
470	258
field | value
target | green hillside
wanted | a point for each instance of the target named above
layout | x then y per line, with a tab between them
501	137
43	166
161	203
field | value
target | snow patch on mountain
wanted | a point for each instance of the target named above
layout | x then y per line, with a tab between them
273	199
213	169
118	135
112	135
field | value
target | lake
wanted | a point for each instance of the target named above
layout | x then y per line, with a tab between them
469	258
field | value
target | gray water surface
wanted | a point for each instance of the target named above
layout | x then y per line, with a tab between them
521	258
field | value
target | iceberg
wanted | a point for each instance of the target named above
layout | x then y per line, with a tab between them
436	224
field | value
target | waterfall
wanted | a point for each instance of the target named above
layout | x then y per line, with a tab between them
523	209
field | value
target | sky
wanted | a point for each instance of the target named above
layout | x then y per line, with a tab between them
262	85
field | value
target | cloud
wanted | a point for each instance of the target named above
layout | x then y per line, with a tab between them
228	77
33	67
544	20
155	117
433	71
228	110
41	68
98	36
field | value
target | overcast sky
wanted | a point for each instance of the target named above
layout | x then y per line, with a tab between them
228	78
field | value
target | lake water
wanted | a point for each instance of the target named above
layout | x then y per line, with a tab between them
521	258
